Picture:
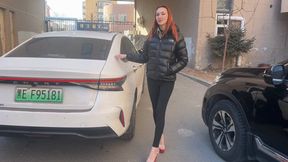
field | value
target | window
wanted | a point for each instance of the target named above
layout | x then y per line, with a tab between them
111	18
284	6
101	4
100	17
224	6
122	18
127	46
79	48
223	21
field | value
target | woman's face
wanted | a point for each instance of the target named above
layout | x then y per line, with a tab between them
161	16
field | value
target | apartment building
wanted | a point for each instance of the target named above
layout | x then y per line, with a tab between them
267	21
94	9
19	20
90	10
122	16
113	16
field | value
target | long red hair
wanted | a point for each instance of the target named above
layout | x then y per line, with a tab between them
170	25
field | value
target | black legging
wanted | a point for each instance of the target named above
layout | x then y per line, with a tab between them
160	92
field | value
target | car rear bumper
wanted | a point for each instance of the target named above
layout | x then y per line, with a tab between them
89	133
63	123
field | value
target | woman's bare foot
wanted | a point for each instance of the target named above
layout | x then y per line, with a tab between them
153	154
162	144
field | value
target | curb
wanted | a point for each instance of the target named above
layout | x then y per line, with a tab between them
201	81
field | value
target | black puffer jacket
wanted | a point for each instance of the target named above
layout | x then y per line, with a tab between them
164	57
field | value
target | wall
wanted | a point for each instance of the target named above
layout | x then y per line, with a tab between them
28	19
207	24
270	28
90	9
197	18
263	20
187	21
117	11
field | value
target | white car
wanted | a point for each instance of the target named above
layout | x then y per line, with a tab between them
70	83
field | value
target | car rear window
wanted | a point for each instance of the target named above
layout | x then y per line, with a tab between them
64	47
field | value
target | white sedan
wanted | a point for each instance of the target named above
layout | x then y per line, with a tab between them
70	83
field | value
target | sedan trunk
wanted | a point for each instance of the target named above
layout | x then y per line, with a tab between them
48	84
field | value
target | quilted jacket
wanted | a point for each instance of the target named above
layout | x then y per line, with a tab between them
164	56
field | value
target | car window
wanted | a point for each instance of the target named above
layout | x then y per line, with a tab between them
64	47
127	46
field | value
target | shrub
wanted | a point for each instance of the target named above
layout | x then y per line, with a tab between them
237	43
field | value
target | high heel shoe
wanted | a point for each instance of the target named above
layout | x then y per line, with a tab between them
162	145
153	151
162	149
156	158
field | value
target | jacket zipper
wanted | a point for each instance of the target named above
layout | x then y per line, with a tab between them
158	56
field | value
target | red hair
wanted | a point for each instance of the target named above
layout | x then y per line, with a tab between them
170	24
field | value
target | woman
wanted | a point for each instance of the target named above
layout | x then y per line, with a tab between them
165	54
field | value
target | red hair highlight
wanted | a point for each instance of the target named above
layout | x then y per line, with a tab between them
170	25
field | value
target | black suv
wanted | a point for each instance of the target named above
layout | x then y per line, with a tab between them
246	111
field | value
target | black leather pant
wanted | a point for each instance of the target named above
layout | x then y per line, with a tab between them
160	92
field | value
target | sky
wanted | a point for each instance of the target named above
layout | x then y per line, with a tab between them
68	8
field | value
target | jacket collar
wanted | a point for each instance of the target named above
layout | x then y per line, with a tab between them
159	33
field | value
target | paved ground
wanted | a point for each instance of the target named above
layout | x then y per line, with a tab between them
186	136
203	77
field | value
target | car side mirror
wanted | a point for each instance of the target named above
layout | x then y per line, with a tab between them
275	75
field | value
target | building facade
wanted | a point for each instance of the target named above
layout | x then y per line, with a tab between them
19	20
267	21
90	10
93	10
118	17
121	14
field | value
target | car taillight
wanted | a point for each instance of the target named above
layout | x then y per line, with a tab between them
104	84
111	84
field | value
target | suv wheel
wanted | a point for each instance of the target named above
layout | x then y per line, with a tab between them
228	131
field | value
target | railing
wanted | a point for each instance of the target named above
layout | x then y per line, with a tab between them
68	24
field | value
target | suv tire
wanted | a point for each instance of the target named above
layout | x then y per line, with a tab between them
228	131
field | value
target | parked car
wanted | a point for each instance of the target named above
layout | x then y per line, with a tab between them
246	111
70	83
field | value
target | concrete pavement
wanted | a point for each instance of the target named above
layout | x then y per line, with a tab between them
187	138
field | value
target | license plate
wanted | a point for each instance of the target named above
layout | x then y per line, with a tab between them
50	95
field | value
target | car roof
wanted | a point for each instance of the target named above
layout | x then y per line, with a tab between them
81	34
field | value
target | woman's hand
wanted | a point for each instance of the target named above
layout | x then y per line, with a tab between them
121	57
